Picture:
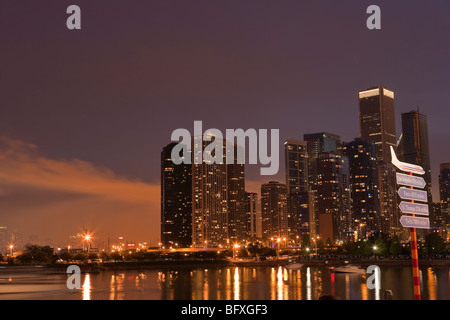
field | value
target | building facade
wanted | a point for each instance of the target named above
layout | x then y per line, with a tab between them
377	120
176	201
363	182
333	194
274	210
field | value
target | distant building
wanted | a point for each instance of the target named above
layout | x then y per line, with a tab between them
377	124
333	196
4	240
176	201
318	143
377	120
363	182
444	190
414	145
252	215
236	200
388	199
219	201
274	210
296	167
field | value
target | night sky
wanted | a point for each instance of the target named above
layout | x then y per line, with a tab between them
85	113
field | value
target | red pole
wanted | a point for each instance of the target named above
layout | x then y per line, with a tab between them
415	260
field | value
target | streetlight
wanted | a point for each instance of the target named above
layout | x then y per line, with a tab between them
87	237
278	247
235	247
11	246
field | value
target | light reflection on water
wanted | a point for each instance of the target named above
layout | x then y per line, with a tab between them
238	283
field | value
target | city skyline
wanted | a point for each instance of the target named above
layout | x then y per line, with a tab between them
85	116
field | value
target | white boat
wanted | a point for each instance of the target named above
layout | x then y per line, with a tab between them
349	268
293	266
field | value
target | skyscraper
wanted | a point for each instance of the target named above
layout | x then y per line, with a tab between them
237	200
377	120
444	190
377	124
296	167
333	196
252	210
274	210
219	202
176	201
414	145
388	201
317	143
363	186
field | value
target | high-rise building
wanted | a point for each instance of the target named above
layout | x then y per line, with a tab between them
296	167
333	196
363	186
3	239
318	143
237	200
436	220
377	120
377	124
414	145
218	198
274	210
299	215
444	191
388	200
176	201
252	210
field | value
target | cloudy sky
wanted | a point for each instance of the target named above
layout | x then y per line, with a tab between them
84	114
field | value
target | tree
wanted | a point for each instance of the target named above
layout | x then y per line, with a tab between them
37	254
380	246
92	256
115	256
395	248
81	256
104	256
306	241
255	248
66	256
434	243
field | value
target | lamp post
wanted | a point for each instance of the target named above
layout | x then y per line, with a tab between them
11	246
88	239
235	247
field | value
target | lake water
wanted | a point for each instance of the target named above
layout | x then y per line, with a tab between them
228	283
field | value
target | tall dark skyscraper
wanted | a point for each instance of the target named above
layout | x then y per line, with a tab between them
274	210
333	195
296	159
363	186
377	124
176	201
444	190
296	167
317	143
377	120
414	144
237	201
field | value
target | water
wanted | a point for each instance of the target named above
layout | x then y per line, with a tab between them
228	283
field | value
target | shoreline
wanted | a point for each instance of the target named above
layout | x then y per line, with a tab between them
198	264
